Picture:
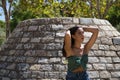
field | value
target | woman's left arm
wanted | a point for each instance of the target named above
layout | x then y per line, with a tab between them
92	40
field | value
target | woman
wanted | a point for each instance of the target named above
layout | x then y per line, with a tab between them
76	53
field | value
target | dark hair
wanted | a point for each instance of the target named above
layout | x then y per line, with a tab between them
72	32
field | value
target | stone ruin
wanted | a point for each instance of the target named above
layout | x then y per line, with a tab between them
33	50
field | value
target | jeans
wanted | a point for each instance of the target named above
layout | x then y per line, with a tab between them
77	76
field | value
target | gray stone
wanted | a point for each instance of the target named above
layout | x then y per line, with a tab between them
93	74
57	27
23	66
93	60
32	28
105	60
86	21
52	75
89	67
31	60
104	47
12	52
25	40
25	74
116	40
104	27
118	47
99	66
117	67
20	59
102	21
115	74
113	47
11	66
114	78
35	40
13	74
4	78
35	67
54	60
95	47
59	67
105	74
99	53
43	60
41	75
4	72
60	34
67	20
118	53
109	59
106	40
76	20
96	21
46	67
110	53
109	66
19	46
101	34
116	59
3	58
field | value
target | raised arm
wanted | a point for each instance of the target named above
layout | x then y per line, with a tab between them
92	40
67	45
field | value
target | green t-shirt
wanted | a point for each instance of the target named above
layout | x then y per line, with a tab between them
76	61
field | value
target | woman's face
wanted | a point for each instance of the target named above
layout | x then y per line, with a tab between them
79	35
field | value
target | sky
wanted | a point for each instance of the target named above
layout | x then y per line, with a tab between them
2	15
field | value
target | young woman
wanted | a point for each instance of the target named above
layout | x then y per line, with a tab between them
76	53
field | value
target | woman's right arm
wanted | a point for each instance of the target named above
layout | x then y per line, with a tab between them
67	45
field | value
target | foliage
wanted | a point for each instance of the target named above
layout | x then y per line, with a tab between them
114	14
27	9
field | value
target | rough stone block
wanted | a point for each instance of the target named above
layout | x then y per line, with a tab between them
115	74
116	59
117	66
116	40
86	21
32	28
110	53
109	66
57	27
96	21
99	66
105	74
76	20
93	74
93	60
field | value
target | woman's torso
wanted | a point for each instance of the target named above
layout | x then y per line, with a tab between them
76	60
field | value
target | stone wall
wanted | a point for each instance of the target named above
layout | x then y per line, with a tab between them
33	51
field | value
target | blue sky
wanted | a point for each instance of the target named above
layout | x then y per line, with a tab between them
2	16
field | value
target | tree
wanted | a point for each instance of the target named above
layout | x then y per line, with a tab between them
6	5
114	15
100	8
27	9
2	32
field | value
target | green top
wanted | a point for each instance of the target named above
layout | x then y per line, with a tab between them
76	61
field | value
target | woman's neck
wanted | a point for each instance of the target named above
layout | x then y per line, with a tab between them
77	45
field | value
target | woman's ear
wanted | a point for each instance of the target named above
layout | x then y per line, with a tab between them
73	36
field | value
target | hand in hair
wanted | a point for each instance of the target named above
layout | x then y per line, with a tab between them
92	40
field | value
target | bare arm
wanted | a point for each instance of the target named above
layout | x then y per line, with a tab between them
67	45
92	40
